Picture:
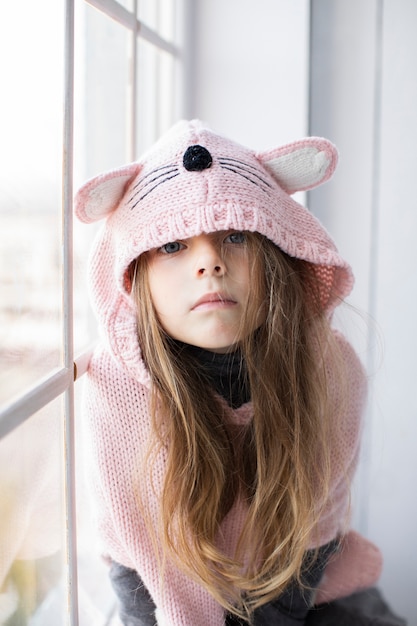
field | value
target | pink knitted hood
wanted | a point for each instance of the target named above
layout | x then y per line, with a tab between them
194	181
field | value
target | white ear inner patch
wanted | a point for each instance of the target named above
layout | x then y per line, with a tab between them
301	169
103	198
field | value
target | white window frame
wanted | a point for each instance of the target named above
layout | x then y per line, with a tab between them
60	381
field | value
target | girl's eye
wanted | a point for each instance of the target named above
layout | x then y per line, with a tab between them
236	238
171	247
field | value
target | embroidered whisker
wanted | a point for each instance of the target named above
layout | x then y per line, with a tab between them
152	188
246	167
152	180
254	182
157	169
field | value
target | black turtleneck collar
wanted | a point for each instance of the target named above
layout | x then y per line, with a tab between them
225	372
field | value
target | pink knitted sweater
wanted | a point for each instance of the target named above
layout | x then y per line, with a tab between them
146	204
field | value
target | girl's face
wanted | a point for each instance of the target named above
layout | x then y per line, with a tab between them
200	288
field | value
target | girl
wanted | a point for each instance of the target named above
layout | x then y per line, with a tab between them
223	412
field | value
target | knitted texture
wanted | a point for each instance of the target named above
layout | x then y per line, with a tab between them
157	199
117	430
191	182
357	562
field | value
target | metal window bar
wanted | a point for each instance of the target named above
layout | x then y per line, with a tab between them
61	381
133	85
68	326
55	384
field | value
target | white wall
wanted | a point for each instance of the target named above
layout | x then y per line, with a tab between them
364	97
250	69
250	80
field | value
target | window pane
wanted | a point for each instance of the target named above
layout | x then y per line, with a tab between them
166	90
32	575
159	15
155	94
127	4
148	13
97	601
166	19
101	141
30	192
103	83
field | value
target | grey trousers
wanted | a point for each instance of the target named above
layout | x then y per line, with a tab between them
136	607
367	608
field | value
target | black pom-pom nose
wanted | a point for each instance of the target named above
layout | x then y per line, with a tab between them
196	158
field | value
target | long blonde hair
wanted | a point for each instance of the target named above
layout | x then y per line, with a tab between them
279	464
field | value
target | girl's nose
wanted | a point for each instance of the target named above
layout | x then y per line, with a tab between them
208	270
209	260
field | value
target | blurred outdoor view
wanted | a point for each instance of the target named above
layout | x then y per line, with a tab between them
30	203
33	554
33	585
31	126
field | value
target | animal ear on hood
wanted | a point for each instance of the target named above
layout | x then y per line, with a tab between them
100	196
301	165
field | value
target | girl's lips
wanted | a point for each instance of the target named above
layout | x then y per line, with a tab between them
212	301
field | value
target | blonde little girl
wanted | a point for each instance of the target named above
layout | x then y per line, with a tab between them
223	412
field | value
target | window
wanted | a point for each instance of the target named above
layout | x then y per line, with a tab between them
89	86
